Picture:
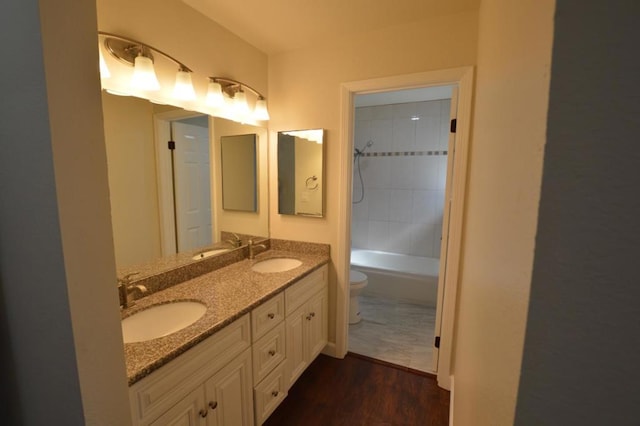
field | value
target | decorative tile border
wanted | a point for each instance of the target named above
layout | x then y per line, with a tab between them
403	153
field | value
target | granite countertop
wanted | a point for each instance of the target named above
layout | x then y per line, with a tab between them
228	293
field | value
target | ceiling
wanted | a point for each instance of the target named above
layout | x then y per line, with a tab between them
275	26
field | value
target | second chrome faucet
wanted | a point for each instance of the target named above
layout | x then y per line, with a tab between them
125	288
252	248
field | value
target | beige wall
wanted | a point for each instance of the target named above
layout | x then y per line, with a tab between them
306	94
514	55
131	159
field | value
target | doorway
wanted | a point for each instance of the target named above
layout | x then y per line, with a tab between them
461	78
400	167
184	176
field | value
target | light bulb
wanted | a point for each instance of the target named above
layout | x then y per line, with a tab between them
214	95
104	70
260	112
144	75
183	89
240	105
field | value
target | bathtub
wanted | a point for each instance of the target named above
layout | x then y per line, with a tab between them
398	276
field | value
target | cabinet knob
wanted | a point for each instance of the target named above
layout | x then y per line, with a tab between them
213	404
275	393
308	317
271	316
272	352
313	314
203	413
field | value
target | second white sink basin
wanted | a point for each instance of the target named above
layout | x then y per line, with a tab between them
161	320
276	264
209	253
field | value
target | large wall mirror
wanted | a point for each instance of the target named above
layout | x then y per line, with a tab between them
166	199
301	172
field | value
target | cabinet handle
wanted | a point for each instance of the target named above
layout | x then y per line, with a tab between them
272	352
308	317
203	413
313	314
271	316
275	393
213	404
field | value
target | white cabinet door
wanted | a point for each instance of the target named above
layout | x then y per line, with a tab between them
229	394
295	344
317	327
306	334
189	411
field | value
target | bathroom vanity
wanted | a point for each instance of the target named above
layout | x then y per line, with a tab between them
235	364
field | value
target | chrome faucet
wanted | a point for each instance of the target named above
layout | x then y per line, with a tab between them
235	241
125	288
252	248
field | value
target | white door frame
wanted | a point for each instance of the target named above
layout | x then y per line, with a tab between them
463	78
162	134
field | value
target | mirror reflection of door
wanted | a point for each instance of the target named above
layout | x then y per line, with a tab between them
191	171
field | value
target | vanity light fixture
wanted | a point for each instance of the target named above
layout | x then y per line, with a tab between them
128	68
141	57
236	91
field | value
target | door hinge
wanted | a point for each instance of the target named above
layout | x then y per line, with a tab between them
437	342
454	124
171	145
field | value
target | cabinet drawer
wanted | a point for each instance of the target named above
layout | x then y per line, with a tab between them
268	352
269	393
163	388
267	316
300	292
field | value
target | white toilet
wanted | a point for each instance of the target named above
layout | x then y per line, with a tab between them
357	281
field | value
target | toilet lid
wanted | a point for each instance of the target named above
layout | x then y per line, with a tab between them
356	277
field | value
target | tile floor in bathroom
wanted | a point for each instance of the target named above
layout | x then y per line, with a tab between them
393	331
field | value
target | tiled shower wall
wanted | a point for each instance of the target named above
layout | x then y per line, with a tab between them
404	174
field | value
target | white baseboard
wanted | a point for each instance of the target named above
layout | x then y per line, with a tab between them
451	402
330	350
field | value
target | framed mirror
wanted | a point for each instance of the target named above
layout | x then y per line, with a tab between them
301	172
239	173
166	204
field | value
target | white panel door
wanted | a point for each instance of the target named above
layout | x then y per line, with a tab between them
192	186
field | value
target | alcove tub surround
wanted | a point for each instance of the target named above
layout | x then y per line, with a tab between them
228	292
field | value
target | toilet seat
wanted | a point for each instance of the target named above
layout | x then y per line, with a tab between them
356	277
357	281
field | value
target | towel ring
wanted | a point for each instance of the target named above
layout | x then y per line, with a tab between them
312	179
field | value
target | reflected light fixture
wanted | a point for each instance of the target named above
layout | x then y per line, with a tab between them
236	91
260	112
183	88
215	98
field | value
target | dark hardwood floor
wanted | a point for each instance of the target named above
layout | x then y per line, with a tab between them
360	391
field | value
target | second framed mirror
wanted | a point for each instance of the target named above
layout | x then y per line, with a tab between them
301	172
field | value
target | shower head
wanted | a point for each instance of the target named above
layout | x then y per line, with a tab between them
359	152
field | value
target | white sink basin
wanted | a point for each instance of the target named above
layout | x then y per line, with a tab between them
209	253
276	264
161	320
